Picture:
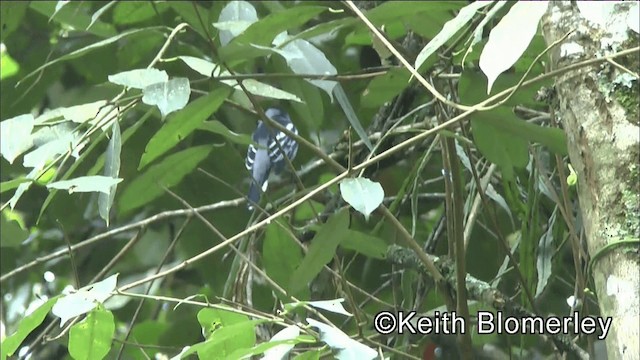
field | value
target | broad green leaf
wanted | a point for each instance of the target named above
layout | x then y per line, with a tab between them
234	18
255	87
91	338
384	88
217	127
84	300
224	341
344	347
73	16
302	57
82	113
168	96
134	12
362	194
93	183
12	232
53	140
497	146
88	48
169	173
139	78
371	246
15	136
25	327
263	32
12	184
111	169
10	67
265	90
11	15
281	255
449	30
554	138
321	251
510	38
183	123
212	319
226	331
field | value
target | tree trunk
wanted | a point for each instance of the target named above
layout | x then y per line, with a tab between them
598	108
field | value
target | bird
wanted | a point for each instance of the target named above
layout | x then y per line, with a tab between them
264	155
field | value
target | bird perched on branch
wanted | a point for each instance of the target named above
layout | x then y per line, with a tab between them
264	155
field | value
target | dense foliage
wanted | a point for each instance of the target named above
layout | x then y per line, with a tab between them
124	131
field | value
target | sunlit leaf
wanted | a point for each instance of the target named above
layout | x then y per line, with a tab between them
510	38
168	96
95	183
139	78
449	30
321	251
15	136
363	194
25	327
183	123
91	338
234	18
84	300
168	172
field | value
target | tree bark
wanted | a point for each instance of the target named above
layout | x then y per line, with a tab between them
600	119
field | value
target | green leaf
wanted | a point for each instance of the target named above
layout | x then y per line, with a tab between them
384	88
554	138
134	12
234	18
362	194
281	255
84	300
182	124
86	184
111	169
226	331
344	102
12	184
88	48
168	96
15	136
10	67
91	338
448	31
139	78
11	15
321	251
371	246
217	127
497	146
12	232
74	17
25	327
169	172
263	32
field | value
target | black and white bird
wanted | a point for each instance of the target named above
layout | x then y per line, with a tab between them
265	155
